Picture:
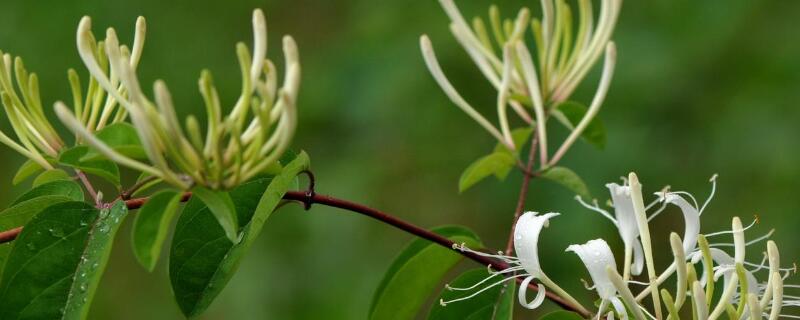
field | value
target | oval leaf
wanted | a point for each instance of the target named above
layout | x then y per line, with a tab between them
499	163
495	303
561	315
50	176
416	272
568	179
572	112
26	170
57	261
221	205
102	168
202	259
67	188
151	226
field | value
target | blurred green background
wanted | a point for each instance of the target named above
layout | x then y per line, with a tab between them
701	87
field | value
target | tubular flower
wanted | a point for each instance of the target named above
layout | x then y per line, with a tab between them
524	265
237	146
19	90
563	58
597	257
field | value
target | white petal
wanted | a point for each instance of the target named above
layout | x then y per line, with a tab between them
691	216
523	290
597	256
526	239
638	259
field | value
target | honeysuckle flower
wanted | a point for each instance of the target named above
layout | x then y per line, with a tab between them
564	59
525	264
249	140
19	93
624	219
597	257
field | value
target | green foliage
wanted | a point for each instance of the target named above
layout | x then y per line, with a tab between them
202	258
221	205
26	170
416	272
496	303
561	315
67	188
50	176
497	163
122	138
570	113
151	225
568	179
57	261
102	168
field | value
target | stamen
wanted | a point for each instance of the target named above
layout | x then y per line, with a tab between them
507	259
586	285
638	283
713	181
596	208
655	214
755	221
754	241
492	275
445	303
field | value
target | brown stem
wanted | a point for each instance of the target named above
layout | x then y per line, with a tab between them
88	186
305	197
523	193
127	194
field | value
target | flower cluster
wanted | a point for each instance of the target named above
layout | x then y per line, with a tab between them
747	290
236	147
562	60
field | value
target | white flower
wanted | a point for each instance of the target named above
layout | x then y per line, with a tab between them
598	259
562	61
525	264
625	220
237	146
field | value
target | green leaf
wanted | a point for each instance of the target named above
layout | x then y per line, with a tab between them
573	112
202	259
50	176
568	179
19	214
520	136
498	163
151	225
102	168
561	315
495	303
221	205
416	273
122	138
67	188
58	260
26	170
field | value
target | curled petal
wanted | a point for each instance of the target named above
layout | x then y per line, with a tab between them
523	289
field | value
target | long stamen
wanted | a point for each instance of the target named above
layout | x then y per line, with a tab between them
445	303
751	242
596	208
508	259
491	275
719	233
713	181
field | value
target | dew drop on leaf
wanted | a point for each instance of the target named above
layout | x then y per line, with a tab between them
31	246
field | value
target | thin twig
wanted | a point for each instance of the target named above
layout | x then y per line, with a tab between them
523	192
89	187
127	194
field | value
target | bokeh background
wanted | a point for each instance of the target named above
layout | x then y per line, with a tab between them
701	87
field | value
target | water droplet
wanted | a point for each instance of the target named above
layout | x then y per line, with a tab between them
95	265
83	287
103	214
104	228
31	246
83	274
84	223
83	300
